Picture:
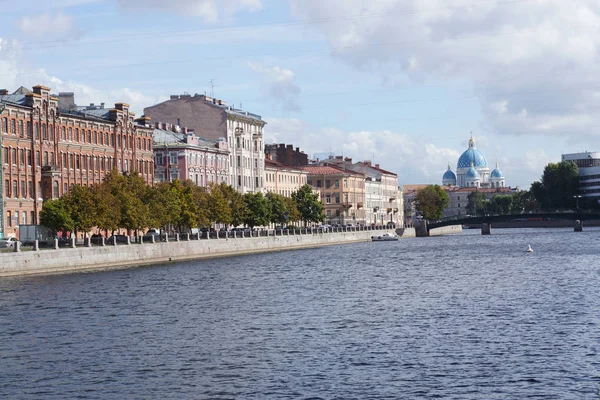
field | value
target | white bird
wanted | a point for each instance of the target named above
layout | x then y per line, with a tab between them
529	249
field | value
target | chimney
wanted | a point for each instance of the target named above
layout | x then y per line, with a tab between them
174	97
376	165
102	106
3	92
66	100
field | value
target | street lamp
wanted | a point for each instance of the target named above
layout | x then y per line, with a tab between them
577	197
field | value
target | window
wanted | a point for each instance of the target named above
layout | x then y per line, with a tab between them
328	213
65	189
8	219
30	187
7	187
239	161
46	158
32	215
337	183
44	132
13	126
21	130
23	189
256	182
37	130
256	163
24	213
4	125
13	156
21	157
327	184
15	191
327	198
318	183
29	157
51	132
239	180
173	157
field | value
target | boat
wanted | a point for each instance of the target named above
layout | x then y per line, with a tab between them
386	237
529	249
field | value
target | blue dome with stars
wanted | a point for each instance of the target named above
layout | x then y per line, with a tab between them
472	156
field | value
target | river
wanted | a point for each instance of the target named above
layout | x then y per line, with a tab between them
454	317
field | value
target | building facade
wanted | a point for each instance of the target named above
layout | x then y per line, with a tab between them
214	119
342	193
588	164
384	202
180	154
47	149
283	179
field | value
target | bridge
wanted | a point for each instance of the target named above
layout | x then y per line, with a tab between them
486	220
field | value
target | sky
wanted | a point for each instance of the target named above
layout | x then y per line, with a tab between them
403	83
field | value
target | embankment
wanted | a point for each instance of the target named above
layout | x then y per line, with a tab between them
123	256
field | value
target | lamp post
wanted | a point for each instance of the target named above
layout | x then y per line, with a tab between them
2	106
577	197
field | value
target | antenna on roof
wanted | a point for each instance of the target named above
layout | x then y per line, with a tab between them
212	88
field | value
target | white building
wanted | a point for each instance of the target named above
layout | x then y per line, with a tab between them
589	172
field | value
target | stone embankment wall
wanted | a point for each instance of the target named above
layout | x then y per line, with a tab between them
121	256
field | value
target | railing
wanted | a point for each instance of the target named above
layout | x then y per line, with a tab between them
511	216
185	237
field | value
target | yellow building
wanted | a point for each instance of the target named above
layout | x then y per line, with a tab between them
283	179
342	193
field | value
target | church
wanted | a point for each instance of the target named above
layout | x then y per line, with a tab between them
472	171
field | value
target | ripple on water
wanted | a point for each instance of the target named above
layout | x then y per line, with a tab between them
456	317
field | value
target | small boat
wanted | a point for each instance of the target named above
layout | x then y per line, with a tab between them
529	249
386	237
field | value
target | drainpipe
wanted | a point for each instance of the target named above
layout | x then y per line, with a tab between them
2	217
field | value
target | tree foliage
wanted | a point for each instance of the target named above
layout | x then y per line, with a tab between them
308	204
431	201
55	216
477	203
259	211
558	187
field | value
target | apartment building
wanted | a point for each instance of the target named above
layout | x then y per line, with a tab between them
283	179
180	154
384	202
46	149
214	119
342	193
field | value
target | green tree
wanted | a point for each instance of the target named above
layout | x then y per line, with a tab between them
55	216
308	204
201	200
108	212
278	208
293	213
477	203
523	202
502	203
259	211
431	201
80	201
219	207
558	186
188	217
237	206
164	205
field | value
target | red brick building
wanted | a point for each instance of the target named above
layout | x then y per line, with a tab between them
47	149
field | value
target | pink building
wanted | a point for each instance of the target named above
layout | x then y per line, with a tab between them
180	154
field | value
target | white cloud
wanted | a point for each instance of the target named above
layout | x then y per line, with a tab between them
50	26
209	10
279	85
414	160
15	72
533	63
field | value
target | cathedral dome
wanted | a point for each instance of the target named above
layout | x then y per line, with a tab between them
449	177
472	156
472	173
496	173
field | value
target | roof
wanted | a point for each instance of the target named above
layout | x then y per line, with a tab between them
161	137
18	99
276	164
327	170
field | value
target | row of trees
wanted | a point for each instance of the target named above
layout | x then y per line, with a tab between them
126	201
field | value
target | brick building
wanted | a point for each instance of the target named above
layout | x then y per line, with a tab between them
286	154
214	119
180	154
47	149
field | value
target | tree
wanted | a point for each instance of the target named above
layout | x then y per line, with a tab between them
188	213
278	208
219	209
501	203
293	215
238	209
54	215
80	202
478	203
163	205
431	201
259	211
523	202
558	186
308	204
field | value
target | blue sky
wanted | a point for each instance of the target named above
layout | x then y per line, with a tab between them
401	82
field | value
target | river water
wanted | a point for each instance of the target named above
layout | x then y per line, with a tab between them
454	317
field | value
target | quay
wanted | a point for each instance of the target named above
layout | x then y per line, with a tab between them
111	256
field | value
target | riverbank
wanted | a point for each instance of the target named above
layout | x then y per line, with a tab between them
134	255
